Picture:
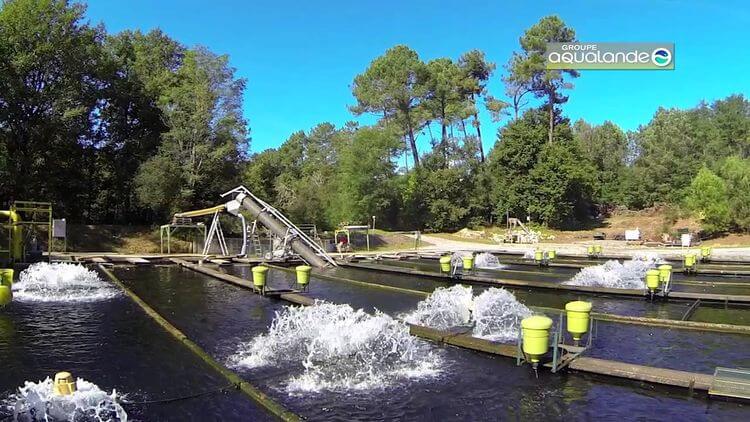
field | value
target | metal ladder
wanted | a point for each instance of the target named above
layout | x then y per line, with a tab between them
255	239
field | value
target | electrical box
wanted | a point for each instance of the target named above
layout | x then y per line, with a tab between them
59	228
633	234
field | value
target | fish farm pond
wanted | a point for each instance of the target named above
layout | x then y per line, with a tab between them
375	338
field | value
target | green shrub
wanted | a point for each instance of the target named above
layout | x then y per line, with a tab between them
707	196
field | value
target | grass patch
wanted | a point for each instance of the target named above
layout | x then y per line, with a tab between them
457	238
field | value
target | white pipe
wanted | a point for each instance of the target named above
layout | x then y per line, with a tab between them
243	251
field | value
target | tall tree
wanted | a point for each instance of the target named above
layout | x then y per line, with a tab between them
49	84
606	147
140	69
732	119
443	99
735	172
304	188
365	176
206	140
548	182
671	153
516	89
477	70
707	196
393	87
529	69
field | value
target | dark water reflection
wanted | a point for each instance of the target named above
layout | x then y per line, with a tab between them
114	345
471	386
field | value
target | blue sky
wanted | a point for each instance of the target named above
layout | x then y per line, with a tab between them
300	57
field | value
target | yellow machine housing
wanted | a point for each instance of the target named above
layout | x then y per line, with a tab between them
578	313
536	336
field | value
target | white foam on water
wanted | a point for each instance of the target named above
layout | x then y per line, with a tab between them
61	282
337	348
498	315
627	275
35	401
444	308
529	254
495	314
487	260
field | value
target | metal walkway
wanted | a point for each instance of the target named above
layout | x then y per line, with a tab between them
731	382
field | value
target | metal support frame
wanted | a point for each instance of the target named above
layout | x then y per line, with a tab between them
170	229
37	214
562	354
349	236
315	253
243	250
216	231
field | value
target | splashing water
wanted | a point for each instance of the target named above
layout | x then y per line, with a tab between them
339	349
498	315
445	308
495	313
61	282
626	275
487	260
529	254
36	402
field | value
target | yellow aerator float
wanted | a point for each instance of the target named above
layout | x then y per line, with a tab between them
594	251
705	253
578	313
690	263
6	285
468	262
6	276
64	384
542	257
6	295
665	276
535	331
303	275
653	281
445	264
534	339
259	277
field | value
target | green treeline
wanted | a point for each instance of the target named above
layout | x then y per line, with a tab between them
132	127
112	128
